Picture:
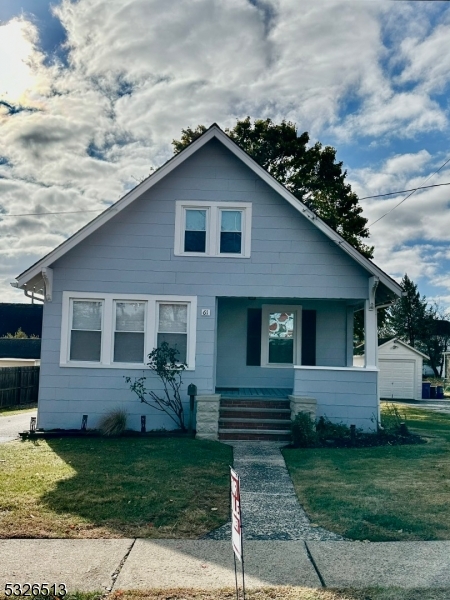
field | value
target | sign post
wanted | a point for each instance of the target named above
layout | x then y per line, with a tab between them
236	527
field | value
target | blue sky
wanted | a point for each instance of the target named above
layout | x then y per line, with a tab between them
93	91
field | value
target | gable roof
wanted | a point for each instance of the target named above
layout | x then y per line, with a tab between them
397	341
33	273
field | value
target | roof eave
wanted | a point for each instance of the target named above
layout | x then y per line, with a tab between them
213	132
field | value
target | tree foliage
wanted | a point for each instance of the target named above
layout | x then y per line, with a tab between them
310	172
423	326
406	318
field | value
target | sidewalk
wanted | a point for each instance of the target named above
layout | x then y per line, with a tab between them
99	565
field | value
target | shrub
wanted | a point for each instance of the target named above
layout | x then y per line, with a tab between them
327	430
114	423
303	431
393	421
164	363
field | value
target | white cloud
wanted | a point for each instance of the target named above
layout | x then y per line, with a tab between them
141	70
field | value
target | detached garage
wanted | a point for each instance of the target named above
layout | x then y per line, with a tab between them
400	365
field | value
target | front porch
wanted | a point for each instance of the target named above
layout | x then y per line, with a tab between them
294	352
346	395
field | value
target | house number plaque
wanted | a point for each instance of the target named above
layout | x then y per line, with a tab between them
206	312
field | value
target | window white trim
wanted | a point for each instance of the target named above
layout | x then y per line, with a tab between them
271	308
108	326
213	219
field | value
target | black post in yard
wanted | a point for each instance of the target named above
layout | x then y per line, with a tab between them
353	434
143	424
84	423
192	392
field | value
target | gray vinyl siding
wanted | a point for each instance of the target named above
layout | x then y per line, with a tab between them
346	396
232	342
134	253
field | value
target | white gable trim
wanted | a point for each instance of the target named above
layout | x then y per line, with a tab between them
397	341
213	132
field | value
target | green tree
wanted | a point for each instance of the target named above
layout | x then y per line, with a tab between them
435	339
423	326
407	317
310	172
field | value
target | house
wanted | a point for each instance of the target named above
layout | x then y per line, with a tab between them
401	367
213	255
20	352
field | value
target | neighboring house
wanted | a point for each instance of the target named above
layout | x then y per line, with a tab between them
213	255
401	368
19	352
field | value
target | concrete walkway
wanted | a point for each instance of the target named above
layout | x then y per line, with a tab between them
11	425
270	508
102	565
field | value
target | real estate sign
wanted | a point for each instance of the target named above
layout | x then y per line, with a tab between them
236	521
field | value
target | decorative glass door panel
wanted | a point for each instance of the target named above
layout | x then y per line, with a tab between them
281	337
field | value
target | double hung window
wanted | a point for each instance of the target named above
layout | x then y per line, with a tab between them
86	330
120	331
213	229
172	327
129	332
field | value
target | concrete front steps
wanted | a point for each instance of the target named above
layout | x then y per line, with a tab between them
252	418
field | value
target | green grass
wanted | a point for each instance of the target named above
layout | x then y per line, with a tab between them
123	487
17	410
383	493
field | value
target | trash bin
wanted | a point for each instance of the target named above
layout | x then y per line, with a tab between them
440	392
433	392
426	390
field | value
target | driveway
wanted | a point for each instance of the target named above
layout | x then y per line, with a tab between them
12	424
442	406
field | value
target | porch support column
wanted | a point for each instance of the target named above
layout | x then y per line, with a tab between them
370	325
349	337
207	427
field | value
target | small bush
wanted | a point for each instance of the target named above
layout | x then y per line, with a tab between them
327	430
303	431
114	423
393	421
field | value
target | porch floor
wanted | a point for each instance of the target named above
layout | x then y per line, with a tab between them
243	392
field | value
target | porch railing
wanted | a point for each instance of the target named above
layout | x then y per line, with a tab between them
345	394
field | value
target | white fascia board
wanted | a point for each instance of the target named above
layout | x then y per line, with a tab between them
213	132
302	208
397	341
113	210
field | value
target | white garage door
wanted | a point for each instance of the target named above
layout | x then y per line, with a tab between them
397	379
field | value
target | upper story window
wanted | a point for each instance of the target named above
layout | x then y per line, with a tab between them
195	230
120	331
213	229
230	232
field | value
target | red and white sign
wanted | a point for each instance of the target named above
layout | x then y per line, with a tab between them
236	524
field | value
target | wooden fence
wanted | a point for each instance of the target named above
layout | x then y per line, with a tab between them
18	385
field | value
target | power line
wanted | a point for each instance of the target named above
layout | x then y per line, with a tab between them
409	195
69	212
422	187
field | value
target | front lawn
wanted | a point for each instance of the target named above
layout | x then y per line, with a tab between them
123	487
383	493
